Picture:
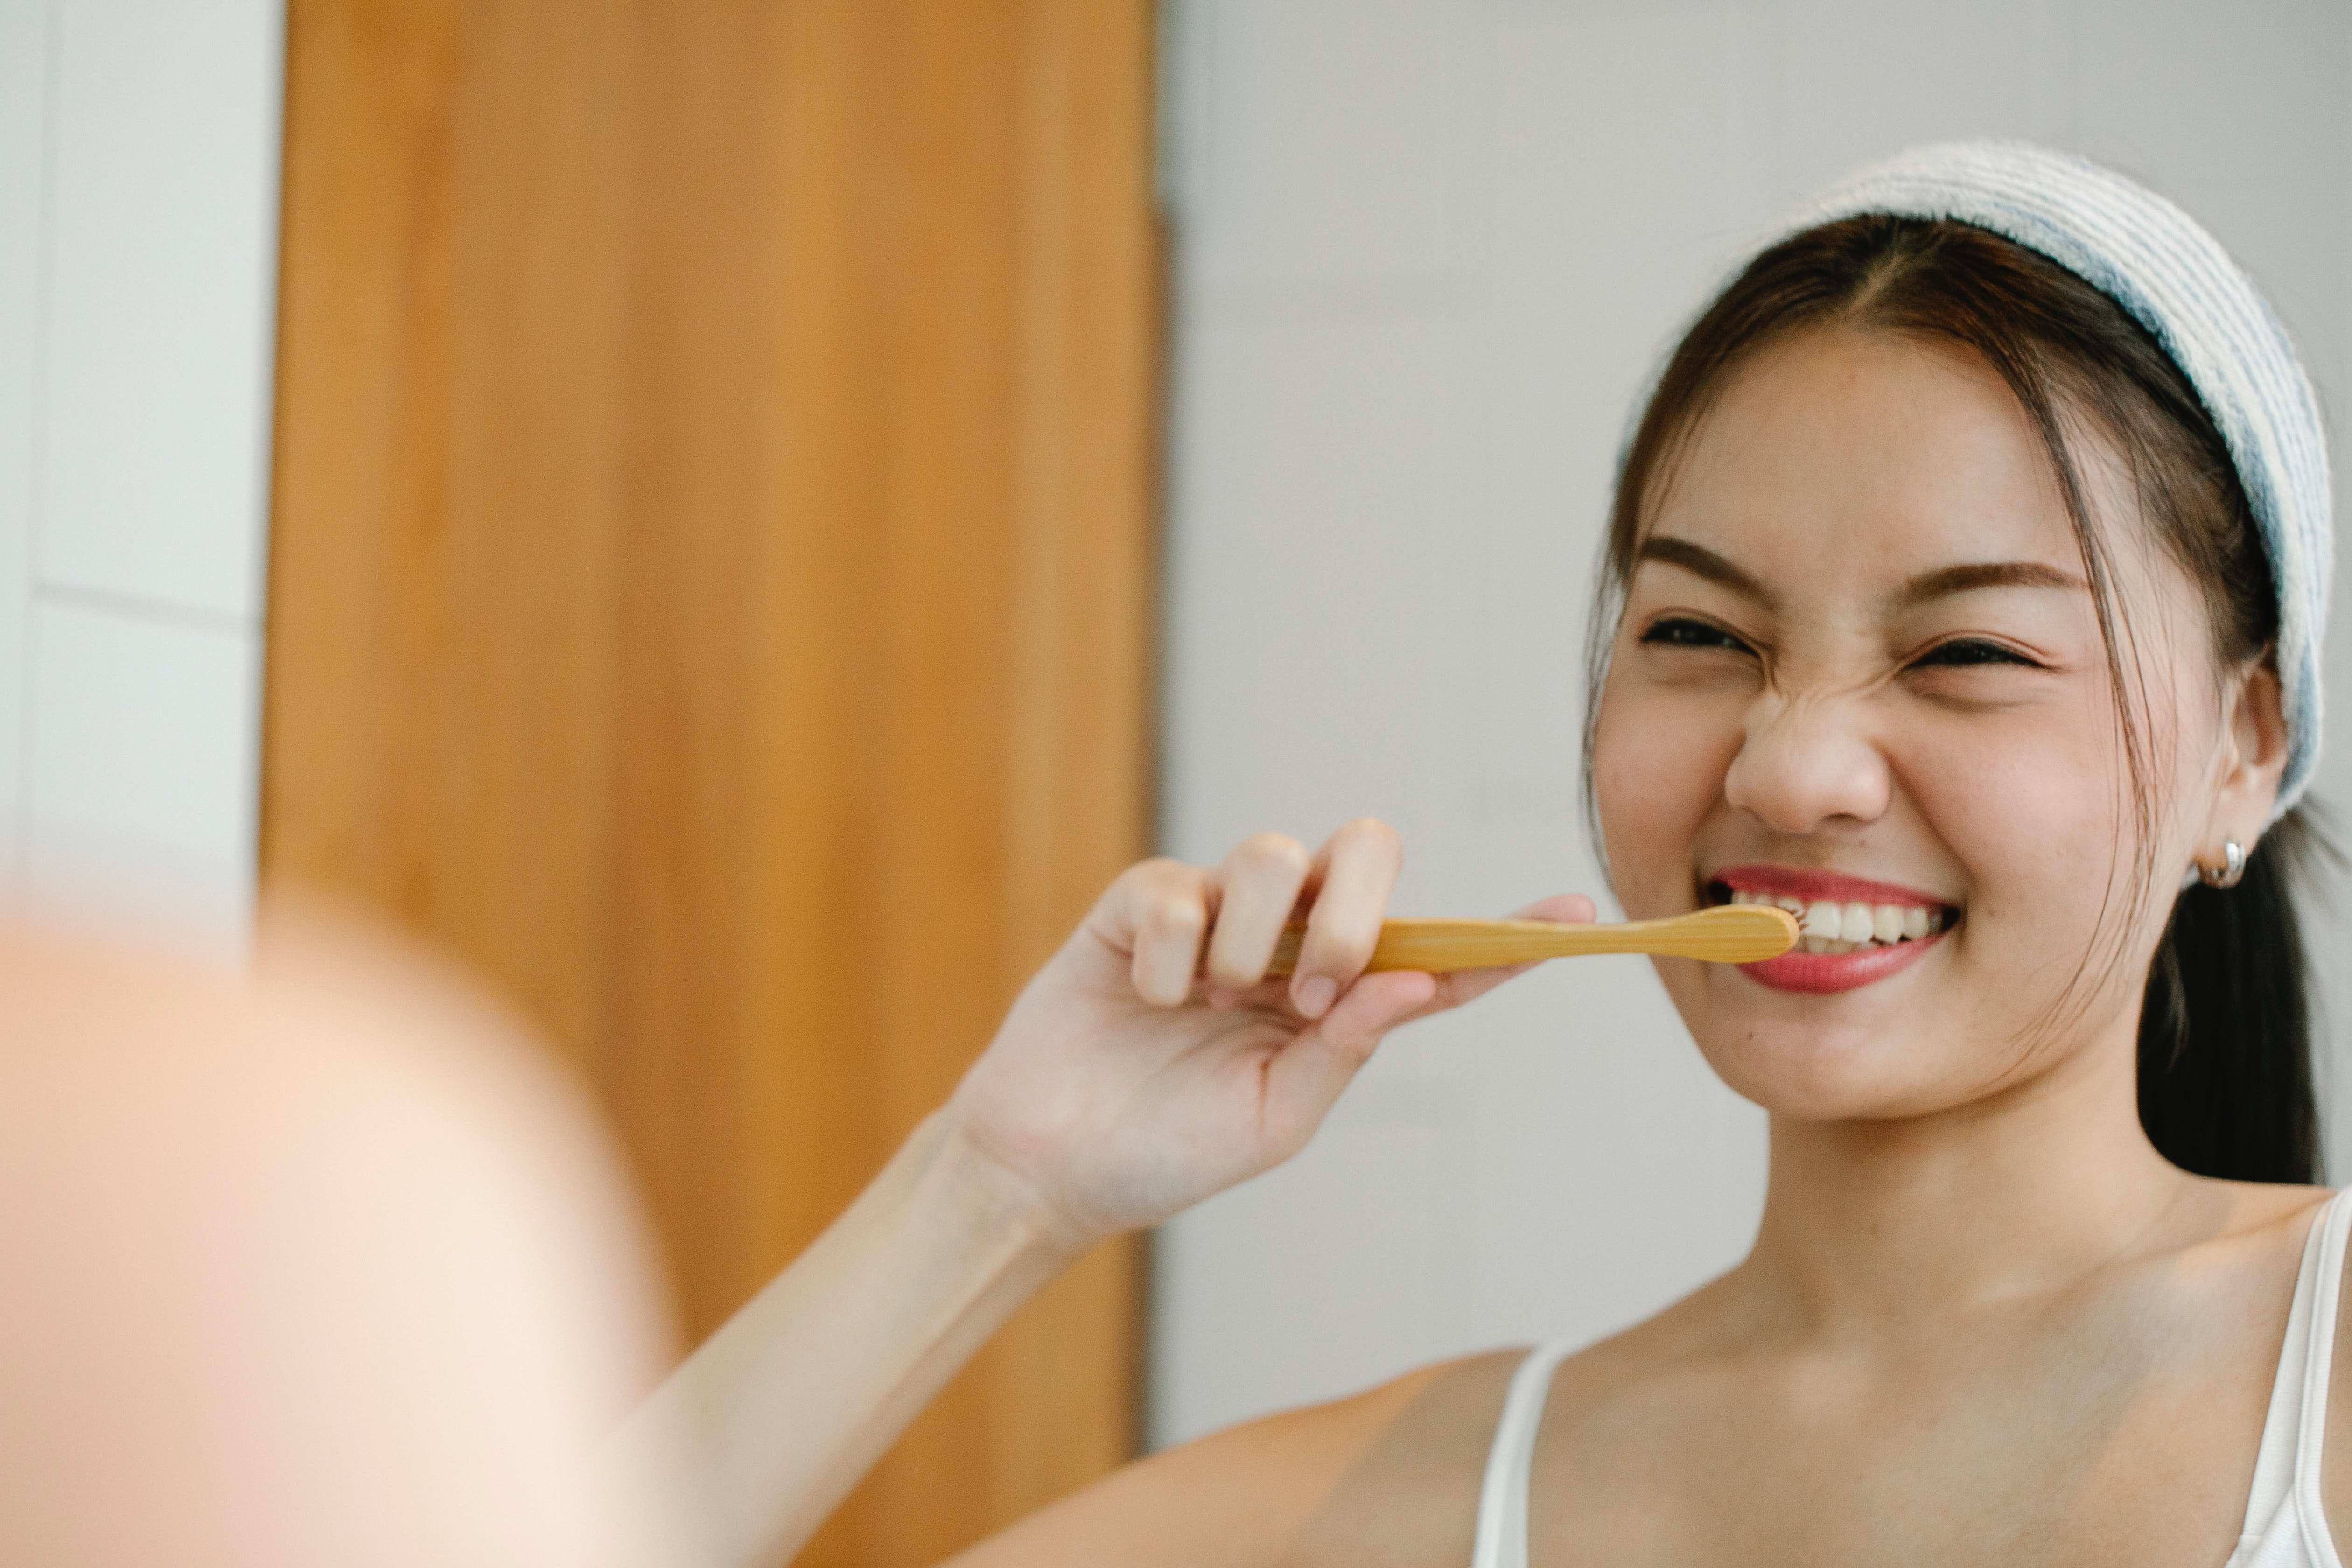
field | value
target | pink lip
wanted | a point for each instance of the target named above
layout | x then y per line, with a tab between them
1803	882
1797	969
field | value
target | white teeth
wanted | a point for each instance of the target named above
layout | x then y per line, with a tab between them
1830	925
1827	925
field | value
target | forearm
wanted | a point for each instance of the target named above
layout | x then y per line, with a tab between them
779	1414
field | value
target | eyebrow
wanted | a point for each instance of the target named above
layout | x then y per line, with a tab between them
1928	586
1948	580
1701	561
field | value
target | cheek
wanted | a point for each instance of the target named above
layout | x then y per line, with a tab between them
1658	766
2037	812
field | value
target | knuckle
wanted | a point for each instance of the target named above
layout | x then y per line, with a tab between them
1159	883
1170	915
1274	851
1162	872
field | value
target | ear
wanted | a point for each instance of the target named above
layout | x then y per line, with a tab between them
2253	756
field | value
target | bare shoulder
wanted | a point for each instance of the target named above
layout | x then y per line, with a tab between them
1410	1500
2224	1249
2252	1208
2276	1221
1385	1479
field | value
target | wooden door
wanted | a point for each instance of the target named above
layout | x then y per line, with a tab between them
710	587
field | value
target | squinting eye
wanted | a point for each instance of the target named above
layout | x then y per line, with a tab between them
1681	631
1965	651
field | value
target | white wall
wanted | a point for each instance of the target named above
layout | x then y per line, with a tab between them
1427	250
138	257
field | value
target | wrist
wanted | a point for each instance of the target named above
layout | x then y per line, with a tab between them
992	1198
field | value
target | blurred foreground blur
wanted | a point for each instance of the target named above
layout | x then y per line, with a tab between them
310	1261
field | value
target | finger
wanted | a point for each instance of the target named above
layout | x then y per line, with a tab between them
1459	986
1258	886
1355	872
1156	913
1308	1075
1567	909
1372	1007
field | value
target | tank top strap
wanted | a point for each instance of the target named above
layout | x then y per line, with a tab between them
2335	1225
2284	1501
1502	1540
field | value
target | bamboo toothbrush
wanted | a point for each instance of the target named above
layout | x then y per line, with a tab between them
1727	933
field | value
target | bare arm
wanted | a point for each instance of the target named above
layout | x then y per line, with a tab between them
780	1411
1151	1064
1388	1478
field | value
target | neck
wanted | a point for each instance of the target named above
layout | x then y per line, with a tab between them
1884	1222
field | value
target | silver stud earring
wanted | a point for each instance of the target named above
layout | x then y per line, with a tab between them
2233	866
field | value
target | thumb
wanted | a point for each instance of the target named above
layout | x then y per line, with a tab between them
1307	1076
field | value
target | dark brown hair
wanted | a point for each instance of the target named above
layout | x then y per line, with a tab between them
2224	1038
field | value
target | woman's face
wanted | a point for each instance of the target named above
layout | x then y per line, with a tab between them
1860	666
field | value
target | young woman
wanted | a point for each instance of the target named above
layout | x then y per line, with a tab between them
1963	590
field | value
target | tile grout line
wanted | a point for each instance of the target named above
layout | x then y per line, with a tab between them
37	437
138	607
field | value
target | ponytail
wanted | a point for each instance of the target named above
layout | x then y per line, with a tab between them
2225	1075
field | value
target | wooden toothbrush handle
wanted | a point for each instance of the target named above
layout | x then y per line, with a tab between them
1727	933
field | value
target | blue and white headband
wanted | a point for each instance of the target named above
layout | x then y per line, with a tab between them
2175	279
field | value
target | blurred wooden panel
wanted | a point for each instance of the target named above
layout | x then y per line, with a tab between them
710	586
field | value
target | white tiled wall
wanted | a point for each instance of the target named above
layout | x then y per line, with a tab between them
1428	250
138	262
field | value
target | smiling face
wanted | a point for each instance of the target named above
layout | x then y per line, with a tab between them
1860	670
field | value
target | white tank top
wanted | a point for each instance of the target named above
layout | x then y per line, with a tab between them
2285	1526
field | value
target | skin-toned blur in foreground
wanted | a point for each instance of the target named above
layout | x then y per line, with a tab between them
313	1263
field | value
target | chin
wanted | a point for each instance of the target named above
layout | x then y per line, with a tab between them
1818	1058
1807	1080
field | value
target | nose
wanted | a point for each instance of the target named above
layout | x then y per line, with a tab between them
1806	764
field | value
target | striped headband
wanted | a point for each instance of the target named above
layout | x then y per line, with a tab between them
2176	280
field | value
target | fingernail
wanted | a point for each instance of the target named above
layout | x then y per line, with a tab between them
1314	995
